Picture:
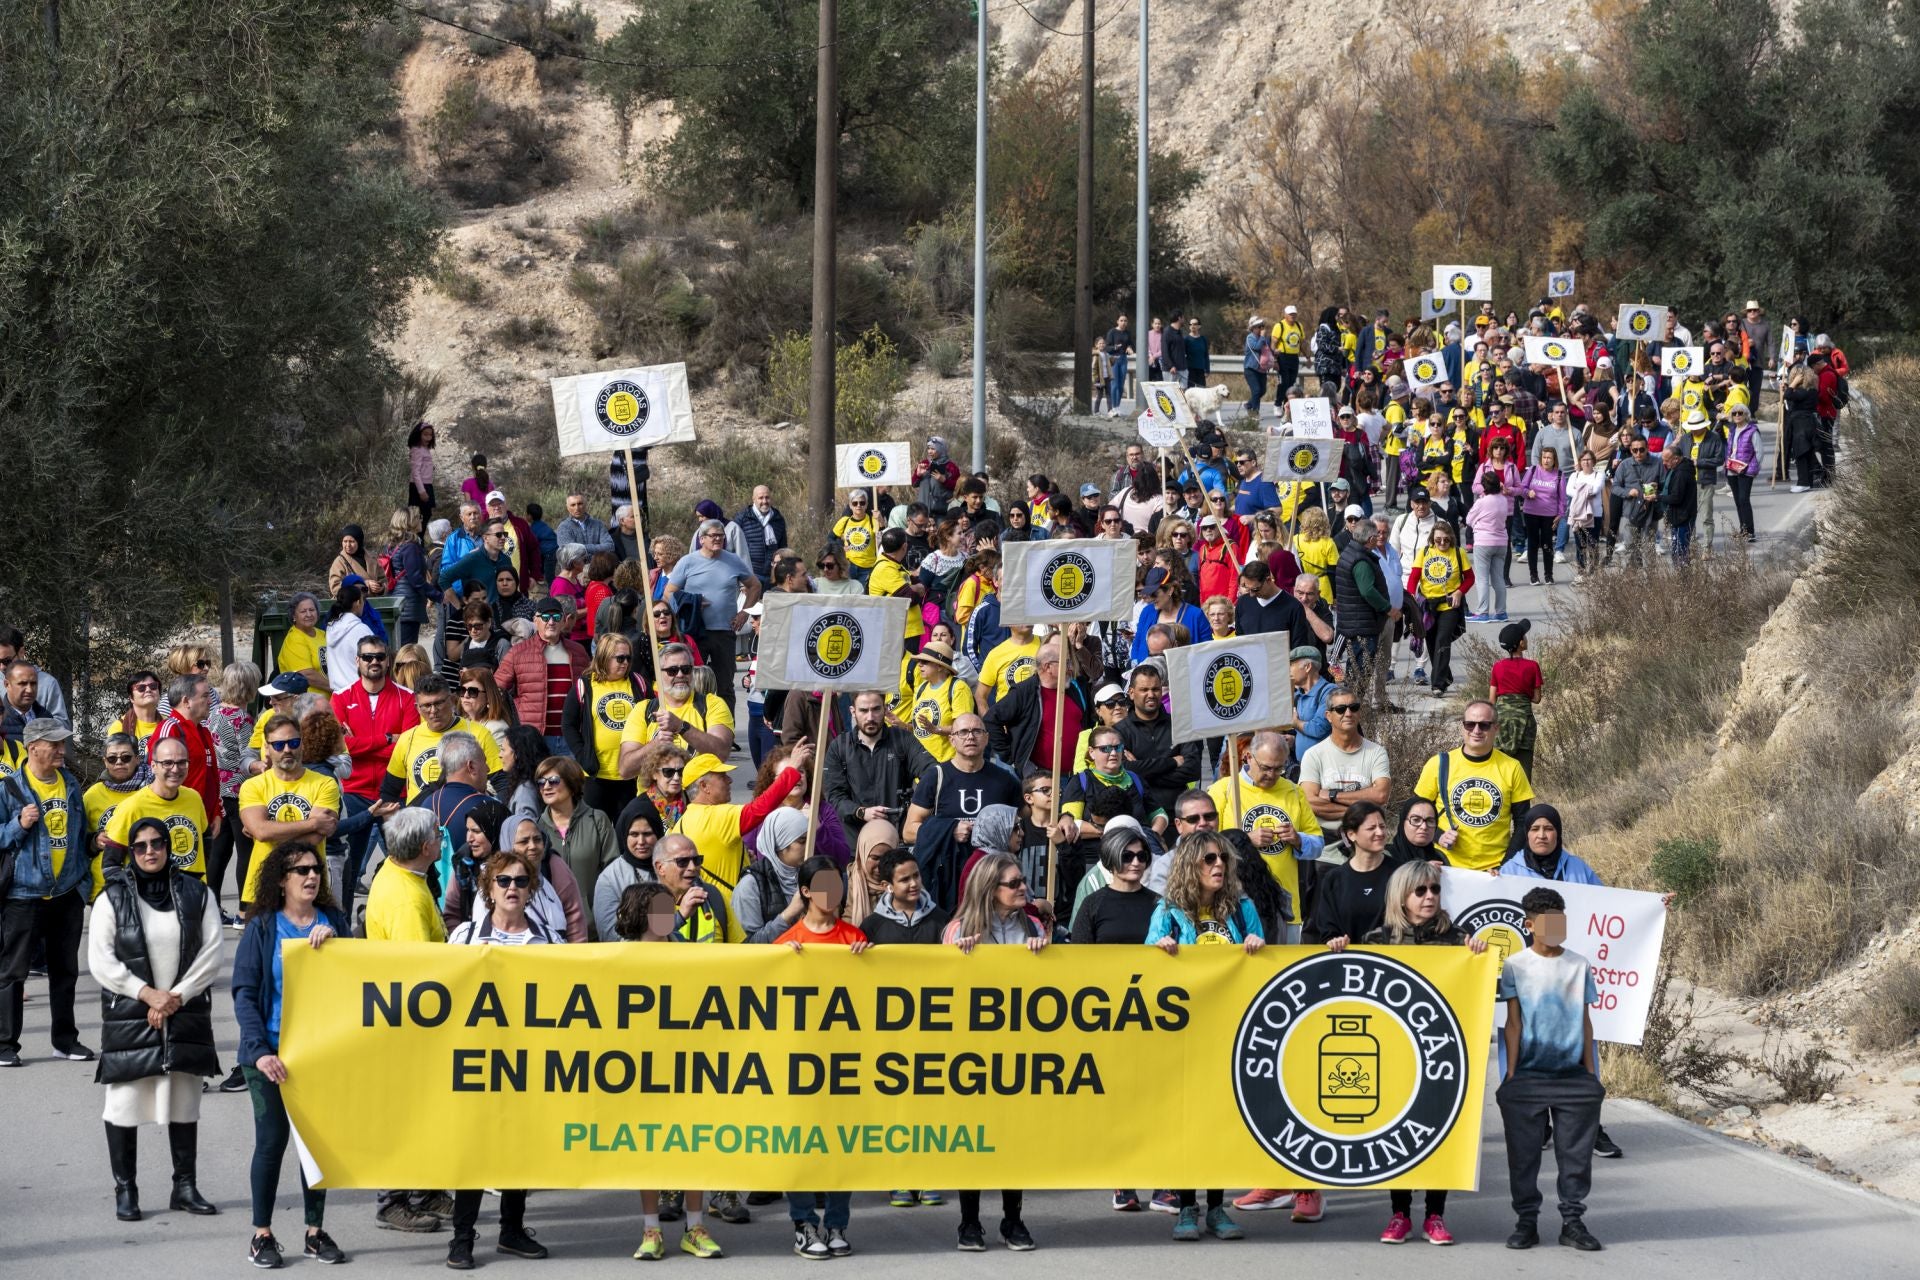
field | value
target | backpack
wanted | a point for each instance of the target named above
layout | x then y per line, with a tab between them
387	575
1841	391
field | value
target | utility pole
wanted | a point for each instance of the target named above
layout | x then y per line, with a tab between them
1140	228
1083	371
980	243
826	173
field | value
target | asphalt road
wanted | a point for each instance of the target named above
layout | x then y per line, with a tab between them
1683	1203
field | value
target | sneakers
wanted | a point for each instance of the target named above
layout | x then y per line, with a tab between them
1222	1227
1187	1225
1435	1230
932	1198
437	1203
1126	1202
973	1238
726	1206
1164	1202
653	1246
1606	1147
755	1199
1574	1235
1499	617
1419	675
460	1253
903	1200
1399	1227
698	1242
1525	1235
75	1052
1307	1207
1261	1198
264	1252
10	1058
321	1248
236	1082
519	1242
809	1243
1799	488
1015	1233
1479	617
837	1243
400	1216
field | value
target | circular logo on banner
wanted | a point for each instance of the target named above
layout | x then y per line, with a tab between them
1459	284
1426	369
1227	685
1068	581
612	710
1640	324
834	642
1349	1069
872	463
1555	350
622	408
1303	458
1502	924
1562	286
1164	406
1682	361
1477	802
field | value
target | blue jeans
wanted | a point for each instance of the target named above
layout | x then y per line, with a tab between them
1681	536
347	849
1117	389
1256	389
839	1209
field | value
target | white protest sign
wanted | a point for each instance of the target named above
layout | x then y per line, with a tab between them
1456	283
1311	416
1168	403
1559	284
1229	686
831	642
623	409
1425	370
1681	362
1568	353
1067	580
1432	306
1302	459
1639	322
1158	432
867	466
1617	931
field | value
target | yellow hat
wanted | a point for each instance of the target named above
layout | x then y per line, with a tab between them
702	765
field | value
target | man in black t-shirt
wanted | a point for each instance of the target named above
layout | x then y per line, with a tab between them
959	788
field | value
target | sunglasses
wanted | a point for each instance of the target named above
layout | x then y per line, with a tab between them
1477	726
203	665
471	691
1105	748
1211	859
550	780
1110	520
1345	708
1135	854
1018	882
1195	819
278	744
119	759
305	869
373	657
512	882
1041	791
146	688
1425	891
690	860
676	671
670	773
619	657
663	613
547	617
153	846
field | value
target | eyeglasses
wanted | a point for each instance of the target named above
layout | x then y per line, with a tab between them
181	764
1477	726
150	846
305	869
1420	821
676	671
549	780
512	882
1211	859
1135	853
970	733
688	860
671	773
1041	791
119	759
278	744
1345	708
471	691
1018	882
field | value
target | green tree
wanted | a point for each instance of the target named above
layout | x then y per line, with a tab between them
203	244
740	76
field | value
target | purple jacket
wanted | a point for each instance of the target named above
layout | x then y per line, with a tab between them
1544	493
1746	448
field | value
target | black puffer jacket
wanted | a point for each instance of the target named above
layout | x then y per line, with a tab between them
130	1049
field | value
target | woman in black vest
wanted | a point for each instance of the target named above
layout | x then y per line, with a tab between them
154	947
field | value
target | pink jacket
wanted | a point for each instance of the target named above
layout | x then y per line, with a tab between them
523	677
1488	519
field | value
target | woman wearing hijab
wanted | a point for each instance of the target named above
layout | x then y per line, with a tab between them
864	883
767	903
636	831
153	945
352	560
1414	842
995	830
555	901
935	477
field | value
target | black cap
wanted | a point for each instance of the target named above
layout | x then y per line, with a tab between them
1513	633
1419	494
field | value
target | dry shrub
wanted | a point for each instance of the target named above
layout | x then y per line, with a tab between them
1672	1055
1867	559
1888	1015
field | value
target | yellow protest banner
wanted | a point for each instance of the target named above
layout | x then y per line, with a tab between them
1082	1066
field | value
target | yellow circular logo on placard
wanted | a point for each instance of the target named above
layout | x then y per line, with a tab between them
1068	581
1227	682
1503	924
1425	370
873	463
833	644
1555	351
1164	404
1461	283
1639	323
1682	361
621	408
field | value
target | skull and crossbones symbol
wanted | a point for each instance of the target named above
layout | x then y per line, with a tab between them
1348	1077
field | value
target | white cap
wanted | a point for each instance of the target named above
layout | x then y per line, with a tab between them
1108	691
1355	511
1292	310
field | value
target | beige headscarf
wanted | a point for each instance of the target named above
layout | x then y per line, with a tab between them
862	890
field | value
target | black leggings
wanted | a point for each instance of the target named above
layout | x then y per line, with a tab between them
466	1211
271	1131
1215	1199
1742	487
1539	539
1403	1203
1009	1206
231	845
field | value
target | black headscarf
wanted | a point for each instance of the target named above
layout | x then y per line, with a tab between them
1402	848
1517	842
154	887
639	809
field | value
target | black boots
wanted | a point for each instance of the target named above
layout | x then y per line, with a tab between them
123	1145
184	1141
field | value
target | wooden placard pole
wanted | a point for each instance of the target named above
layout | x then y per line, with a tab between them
646	576
1059	639
1233	764
814	807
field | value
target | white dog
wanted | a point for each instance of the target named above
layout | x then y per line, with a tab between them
1205	402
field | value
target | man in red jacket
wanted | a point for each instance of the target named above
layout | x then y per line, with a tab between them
538	671
191	699
373	711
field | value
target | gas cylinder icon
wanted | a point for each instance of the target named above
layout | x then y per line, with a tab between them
1349	1070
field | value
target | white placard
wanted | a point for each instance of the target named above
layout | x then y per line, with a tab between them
1617	931
1311	416
1302	459
831	642
1455	283
1168	403
1158	432
1640	322
623	409
1229	686
1432	307
867	466
1559	284
1067	580
1425	370
1682	362
1567	353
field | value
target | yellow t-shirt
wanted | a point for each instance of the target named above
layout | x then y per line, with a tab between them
142	730
400	908
184	816
1318	556
51	796
612	703
416	753
285	802
887	578
1008	663
100	801
715	832
1392	442
303	652
1287	337
1479	804
707	717
12	756
1263	807
1441	573
941	705
860	539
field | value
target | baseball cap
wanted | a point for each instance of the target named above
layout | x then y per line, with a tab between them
1156	578
1291	310
1514	632
494	495
1419	494
283	684
547	604
759	608
45	729
1109	694
1341	483
1089	490
702	765
1207	522
1356	512
1346	411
